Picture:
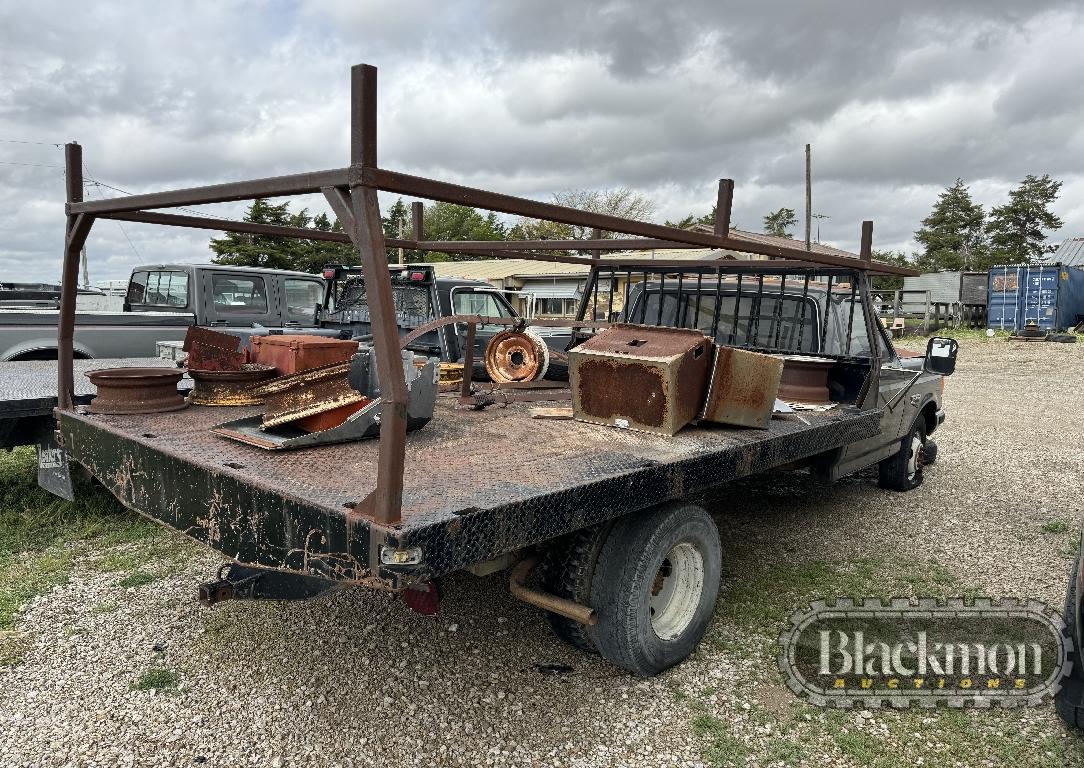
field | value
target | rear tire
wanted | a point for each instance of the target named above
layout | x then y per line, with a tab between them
655	586
567	571
1069	700
903	470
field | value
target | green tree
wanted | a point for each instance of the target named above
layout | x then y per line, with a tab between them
449	221
248	250
708	219
953	236
1018	229
891	282
398	225
779	222
621	201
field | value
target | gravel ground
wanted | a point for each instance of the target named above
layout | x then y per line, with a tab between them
358	679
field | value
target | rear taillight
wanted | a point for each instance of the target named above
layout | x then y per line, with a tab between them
417	275
329	273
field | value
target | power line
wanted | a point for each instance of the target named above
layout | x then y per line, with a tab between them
122	229
32	165
94	182
39	143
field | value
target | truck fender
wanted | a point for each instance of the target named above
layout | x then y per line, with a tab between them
37	346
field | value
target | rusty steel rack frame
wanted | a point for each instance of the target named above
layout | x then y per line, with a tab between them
352	194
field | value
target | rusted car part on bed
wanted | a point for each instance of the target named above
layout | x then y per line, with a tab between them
136	390
316	517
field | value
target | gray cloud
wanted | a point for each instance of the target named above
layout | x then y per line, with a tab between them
898	100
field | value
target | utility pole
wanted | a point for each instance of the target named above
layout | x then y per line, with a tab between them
86	273
402	257
808	200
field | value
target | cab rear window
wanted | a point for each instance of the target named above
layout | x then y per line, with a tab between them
159	288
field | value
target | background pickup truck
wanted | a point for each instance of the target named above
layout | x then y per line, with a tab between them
162	301
421	296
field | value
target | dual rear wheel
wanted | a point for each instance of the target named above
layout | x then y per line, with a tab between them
652	578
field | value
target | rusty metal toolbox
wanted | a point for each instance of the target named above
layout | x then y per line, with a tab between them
743	388
640	377
296	353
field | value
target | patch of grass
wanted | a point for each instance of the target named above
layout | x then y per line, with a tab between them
723	748
111	562
157	679
137	579
1055	526
763	598
103	608
41	534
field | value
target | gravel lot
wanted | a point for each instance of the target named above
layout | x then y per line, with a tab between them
359	679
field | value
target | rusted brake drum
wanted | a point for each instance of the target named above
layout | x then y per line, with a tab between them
136	390
229	387
516	356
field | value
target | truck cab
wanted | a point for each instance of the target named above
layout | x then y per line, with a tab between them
220	295
420	297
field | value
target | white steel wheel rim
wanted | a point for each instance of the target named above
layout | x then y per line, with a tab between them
915	458
676	590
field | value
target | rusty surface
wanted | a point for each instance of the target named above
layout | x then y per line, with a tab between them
295	353
743	388
136	390
460	504
228	387
805	379
640	377
210	350
514	355
308	393
584	614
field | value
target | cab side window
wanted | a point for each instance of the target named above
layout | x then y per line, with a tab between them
302	296
239	294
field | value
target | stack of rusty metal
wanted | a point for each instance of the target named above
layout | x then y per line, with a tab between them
313	390
302	379
221	370
656	379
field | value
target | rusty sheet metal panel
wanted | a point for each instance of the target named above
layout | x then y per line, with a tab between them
297	512
640	377
213	350
743	388
309	393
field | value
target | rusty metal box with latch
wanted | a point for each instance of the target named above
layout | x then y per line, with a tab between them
640	377
743	388
295	353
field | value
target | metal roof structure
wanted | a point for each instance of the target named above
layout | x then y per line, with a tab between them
1070	253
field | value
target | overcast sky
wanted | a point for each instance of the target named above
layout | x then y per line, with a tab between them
530	98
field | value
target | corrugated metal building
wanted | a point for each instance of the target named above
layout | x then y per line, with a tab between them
1070	253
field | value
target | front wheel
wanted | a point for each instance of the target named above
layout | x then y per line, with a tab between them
903	470
654	587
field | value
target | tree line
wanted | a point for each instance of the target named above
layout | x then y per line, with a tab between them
957	234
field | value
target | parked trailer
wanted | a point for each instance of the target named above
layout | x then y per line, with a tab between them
1049	297
628	568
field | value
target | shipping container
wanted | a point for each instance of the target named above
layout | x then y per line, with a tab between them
1050	297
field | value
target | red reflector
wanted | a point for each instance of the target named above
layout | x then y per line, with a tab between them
417	275
329	273
424	598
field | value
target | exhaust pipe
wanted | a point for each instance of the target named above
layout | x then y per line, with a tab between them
584	614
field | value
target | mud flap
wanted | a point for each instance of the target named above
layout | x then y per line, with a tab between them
54	471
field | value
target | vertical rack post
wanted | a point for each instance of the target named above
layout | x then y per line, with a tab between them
368	235
75	235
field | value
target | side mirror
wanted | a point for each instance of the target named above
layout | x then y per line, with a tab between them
941	356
